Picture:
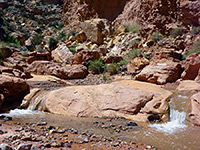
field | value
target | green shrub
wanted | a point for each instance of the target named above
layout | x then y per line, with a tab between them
195	30
176	32
133	53
133	43
52	43
96	66
37	40
113	68
105	77
60	26
123	62
157	36
1	53
195	49
62	36
133	28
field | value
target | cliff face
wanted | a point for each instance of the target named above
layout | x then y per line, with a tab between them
122	11
79	10
145	12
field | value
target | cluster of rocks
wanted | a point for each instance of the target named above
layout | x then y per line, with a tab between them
40	135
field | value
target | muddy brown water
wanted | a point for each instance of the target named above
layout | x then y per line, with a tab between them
177	134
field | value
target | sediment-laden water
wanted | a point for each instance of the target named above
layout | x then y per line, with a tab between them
176	134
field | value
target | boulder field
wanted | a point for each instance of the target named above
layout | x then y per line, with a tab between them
129	99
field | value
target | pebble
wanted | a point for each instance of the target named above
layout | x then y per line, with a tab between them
51	127
131	124
24	146
41	123
115	144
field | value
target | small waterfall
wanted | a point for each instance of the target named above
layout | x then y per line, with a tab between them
38	101
35	100
176	121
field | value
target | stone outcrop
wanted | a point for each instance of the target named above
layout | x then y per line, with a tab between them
85	56
96	29
137	64
194	116
12	91
191	67
191	12
33	56
51	68
162	69
62	53
189	85
5	51
130	99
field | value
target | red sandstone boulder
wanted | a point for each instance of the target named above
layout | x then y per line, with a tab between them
194	116
191	67
12	91
137	63
134	100
85	56
38	56
189	85
51	68
112	59
163	68
5	51
62	53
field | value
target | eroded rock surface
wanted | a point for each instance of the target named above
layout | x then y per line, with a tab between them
130	99
51	68
12	91
195	109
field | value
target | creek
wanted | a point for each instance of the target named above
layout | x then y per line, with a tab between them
177	134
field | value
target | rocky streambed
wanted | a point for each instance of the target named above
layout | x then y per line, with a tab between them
50	131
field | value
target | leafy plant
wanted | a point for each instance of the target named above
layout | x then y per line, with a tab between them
105	77
133	53
113	68
133	28
62	36
96	66
123	62
195	30
195	49
176	32
60	26
157	36
1	53
37	40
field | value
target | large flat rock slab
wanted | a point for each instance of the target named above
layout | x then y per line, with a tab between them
130	99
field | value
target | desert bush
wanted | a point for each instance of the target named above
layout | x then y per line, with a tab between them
195	49
133	28
123	62
62	36
133	53
195	30
157	36
37	40
176	32
96	66
113	68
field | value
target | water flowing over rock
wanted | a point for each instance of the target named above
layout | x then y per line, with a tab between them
12	91
195	109
51	68
130	99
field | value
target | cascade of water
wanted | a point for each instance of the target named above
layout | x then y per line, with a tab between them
38	101
176	121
